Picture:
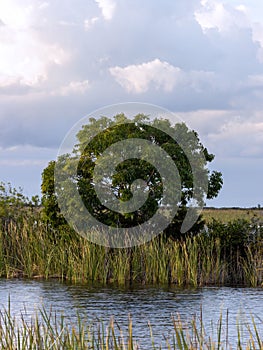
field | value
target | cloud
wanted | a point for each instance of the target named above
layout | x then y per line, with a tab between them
228	134
226	19
88	23
25	56
25	155
160	75
239	138
137	78
74	87
257	33
215	14
16	14
23	165
43	5
107	8
22	162
32	59
201	59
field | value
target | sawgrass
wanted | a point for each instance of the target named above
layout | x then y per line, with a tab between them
30	248
48	330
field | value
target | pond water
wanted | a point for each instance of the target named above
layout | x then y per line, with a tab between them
156	304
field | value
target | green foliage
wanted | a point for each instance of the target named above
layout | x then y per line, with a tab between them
240	244
27	249
173	230
88	151
236	234
13	203
51	212
10	198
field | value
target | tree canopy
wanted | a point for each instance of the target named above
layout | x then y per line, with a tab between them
162	151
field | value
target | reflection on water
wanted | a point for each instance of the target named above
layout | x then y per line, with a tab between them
154	304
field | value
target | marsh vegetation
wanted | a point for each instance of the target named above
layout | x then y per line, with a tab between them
224	253
47	330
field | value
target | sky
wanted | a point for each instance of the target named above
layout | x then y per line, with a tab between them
201	59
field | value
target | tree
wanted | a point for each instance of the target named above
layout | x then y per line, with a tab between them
14	205
175	143
51	212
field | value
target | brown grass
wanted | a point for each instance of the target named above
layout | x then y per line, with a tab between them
230	214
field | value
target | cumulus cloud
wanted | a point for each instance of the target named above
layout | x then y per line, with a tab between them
74	87
229	133
30	63
138	78
225	18
239	138
25	56
215	14
107	8
202	59
159	75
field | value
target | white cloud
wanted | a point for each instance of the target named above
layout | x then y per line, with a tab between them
107	8
74	87
228	133
7	81
161	76
213	15
257	34
88	23
25	57
255	80
15	15
206	121
239	138
43	5
209	59
24	155
216	14
138	78
24	162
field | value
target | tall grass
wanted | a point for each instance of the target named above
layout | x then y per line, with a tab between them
29	248
230	214
47	330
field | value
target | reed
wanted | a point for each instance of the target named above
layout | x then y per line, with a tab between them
30	248
48	330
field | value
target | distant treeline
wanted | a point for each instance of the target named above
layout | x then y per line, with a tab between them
233	208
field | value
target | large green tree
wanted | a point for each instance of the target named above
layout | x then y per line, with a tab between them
181	145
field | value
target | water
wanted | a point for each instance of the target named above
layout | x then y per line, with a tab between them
144	304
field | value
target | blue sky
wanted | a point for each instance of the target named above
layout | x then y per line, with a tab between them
202	59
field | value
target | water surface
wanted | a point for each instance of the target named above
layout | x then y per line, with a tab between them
145	304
